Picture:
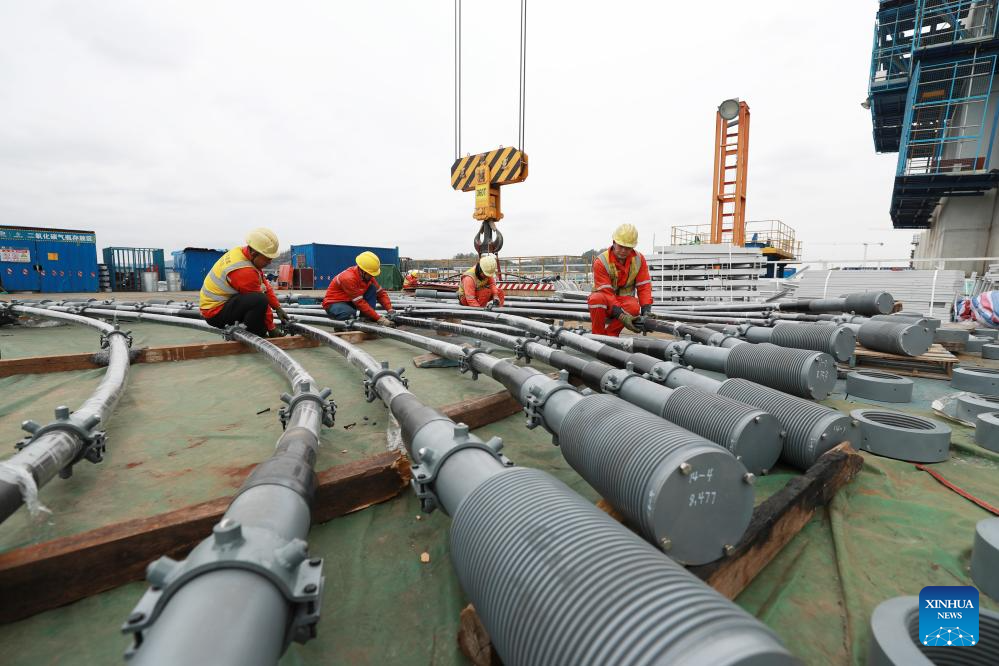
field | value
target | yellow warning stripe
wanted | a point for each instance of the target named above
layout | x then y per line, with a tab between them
506	165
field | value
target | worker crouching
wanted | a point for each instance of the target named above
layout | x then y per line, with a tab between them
356	290
235	290
478	288
622	287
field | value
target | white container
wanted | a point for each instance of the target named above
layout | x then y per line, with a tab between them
173	281
149	280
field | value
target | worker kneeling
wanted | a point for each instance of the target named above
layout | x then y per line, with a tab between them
412	280
478	284
356	289
619	274
235	291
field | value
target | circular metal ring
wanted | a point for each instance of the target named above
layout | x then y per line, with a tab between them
990	351
971	405
895	630
902	436
975	343
985	557
881	386
989	333
977	380
987	430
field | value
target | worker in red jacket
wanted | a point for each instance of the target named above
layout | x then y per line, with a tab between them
356	289
236	291
412	280
478	284
619	274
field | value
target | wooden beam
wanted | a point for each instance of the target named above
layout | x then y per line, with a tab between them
434	361
477	412
188	352
54	573
779	518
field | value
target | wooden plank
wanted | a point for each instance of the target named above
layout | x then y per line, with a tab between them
474	641
434	361
188	352
477	412
54	573
779	518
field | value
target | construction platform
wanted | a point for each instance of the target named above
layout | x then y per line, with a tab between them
189	431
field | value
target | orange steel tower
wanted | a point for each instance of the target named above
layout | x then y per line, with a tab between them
728	199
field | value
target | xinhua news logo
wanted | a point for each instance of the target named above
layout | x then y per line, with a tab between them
948	616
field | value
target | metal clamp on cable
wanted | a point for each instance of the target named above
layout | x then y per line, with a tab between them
614	380
6	316
538	396
83	427
553	336
431	461
106	337
302	393
371	382
232	546
520	348
227	332
465	364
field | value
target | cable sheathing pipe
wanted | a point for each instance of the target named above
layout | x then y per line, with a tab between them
54	448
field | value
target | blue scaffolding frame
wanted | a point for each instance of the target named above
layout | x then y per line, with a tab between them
891	68
946	129
948	24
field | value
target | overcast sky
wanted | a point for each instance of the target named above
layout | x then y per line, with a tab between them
168	123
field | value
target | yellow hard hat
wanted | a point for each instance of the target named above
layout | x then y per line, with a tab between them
488	264
369	263
626	235
264	241
414	272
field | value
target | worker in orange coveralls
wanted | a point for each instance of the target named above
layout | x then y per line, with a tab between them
478	284
619	274
412	279
236	291
356	289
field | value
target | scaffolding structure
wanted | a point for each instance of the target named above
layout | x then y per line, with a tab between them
932	99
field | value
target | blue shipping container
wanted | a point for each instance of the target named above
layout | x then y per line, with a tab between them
48	260
193	264
330	260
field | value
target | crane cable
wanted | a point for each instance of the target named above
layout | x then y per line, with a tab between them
522	106
457	79
522	86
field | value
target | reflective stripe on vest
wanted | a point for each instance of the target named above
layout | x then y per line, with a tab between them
479	284
216	290
629	287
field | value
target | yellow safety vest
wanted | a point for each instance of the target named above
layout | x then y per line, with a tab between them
629	287
479	284
216	290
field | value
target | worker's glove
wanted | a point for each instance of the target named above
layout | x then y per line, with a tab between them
282	315
629	322
385	321
646	310
493	304
277	332
616	312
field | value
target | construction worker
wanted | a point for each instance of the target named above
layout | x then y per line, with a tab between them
619	273
236	291
357	289
412	279
478	284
